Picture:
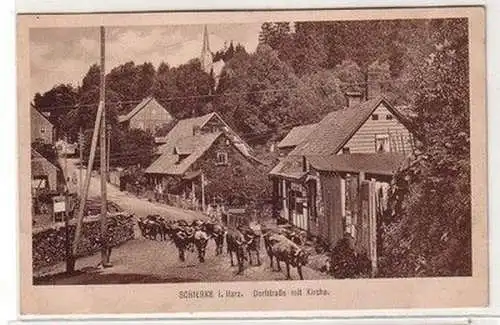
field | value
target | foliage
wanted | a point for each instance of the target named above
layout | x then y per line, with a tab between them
430	231
128	147
57	101
187	81
271	94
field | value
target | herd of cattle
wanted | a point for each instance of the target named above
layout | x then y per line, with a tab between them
282	244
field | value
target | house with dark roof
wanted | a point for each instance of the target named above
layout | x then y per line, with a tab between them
200	151
294	137
148	115
42	130
317	186
45	175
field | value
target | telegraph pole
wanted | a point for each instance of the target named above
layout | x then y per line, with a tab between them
103	165
93	147
80	145
202	192
108	144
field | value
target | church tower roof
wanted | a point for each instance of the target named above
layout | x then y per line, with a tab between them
206	58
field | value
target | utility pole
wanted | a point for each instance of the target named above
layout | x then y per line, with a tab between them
108	146
80	144
202	192
83	198
103	165
70	263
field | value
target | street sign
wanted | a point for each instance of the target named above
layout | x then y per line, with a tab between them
59	204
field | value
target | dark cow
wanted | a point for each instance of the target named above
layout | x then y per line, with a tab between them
284	250
217	232
252	237
150	229
236	244
183	238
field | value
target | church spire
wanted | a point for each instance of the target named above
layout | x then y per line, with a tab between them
206	55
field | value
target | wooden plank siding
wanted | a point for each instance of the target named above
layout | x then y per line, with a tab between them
363	141
150	118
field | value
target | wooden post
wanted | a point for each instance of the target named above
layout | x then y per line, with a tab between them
102	165
202	192
83	197
80	180
108	146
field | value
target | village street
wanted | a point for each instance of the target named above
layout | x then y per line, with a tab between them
147	261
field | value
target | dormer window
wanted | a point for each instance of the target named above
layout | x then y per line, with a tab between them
221	158
375	117
181	158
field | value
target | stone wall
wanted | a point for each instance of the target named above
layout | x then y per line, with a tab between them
49	241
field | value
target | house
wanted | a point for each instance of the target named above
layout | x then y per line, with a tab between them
362	143
294	138
148	115
199	151
42	130
45	176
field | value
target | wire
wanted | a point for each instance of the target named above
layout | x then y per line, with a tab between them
169	99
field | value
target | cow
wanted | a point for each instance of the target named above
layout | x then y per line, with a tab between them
284	250
183	238
149	228
200	239
252	237
236	244
217	232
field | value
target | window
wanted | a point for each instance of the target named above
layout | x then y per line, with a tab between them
375	117
382	143
388	117
222	158
181	158
346	150
42	130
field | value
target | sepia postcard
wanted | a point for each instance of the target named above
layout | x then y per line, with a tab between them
310	160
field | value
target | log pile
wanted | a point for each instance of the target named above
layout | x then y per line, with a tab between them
49	242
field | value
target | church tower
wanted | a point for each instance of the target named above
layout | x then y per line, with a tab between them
206	58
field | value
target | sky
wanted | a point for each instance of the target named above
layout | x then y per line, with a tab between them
64	55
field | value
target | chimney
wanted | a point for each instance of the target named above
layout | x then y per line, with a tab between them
305	166
196	130
353	98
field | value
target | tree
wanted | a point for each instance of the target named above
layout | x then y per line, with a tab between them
263	93
429	233
58	101
194	87
128	147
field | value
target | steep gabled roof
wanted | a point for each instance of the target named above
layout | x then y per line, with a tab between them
146	102
181	141
34	109
39	164
183	128
192	146
331	134
297	135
